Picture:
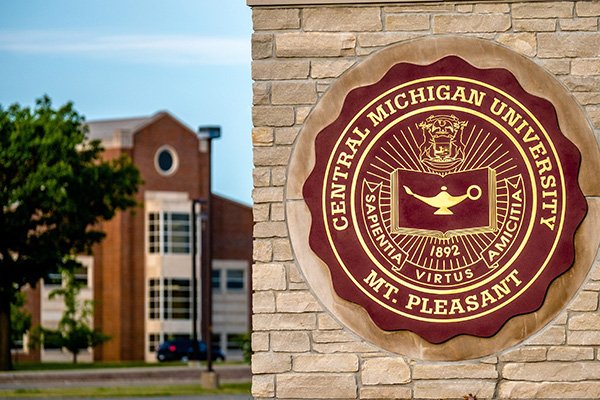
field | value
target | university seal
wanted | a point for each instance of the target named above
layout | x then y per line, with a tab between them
444	199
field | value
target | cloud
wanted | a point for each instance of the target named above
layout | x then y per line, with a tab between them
137	49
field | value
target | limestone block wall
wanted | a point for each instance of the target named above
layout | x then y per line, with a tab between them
300	350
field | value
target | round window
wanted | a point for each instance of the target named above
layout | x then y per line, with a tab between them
166	160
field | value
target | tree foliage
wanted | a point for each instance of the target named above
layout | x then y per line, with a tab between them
55	189
74	331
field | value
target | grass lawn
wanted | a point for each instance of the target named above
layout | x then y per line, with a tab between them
125	391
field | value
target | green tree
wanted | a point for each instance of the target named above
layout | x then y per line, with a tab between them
55	189
74	331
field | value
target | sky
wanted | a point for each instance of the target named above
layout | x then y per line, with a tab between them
131	58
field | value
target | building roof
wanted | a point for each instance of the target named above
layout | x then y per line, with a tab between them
118	133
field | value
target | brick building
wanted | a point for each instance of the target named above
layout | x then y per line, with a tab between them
140	275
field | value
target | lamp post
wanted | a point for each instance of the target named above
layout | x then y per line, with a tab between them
208	133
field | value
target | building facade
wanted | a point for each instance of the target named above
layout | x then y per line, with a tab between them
140	276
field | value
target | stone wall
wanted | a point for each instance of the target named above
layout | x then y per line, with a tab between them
300	350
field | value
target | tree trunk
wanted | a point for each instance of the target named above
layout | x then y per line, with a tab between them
5	356
74	357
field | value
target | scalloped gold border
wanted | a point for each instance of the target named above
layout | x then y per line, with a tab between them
482	54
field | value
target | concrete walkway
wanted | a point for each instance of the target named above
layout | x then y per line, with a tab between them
120	377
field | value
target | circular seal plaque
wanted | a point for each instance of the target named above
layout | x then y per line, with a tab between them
444	199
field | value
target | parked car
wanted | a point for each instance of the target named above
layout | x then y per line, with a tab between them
183	350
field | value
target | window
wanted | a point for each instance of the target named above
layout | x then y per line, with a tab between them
175	229
154	299
81	275
176	233
235	279
154	232
53	277
153	342
235	341
216	280
177	299
166	161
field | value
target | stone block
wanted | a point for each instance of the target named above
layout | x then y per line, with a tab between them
262	251
296	302
273	116
454	389
593	113
534	25
551	9
407	22
550	336
469	23
262	46
556	66
280	69
302	113
584	338
333	336
587	8
385	392
267	194
549	390
581	83
347	347
285	136
570	44
271	363
346	19
585	67
275	18
326	322
291	342
385	371
316	386
329	68
260	212
579	24
524	42
420	8
384	39
325	363
268	277
261	93
263	385
278	176
454	371
314	44
585	301
268	156
587	98
261	176
294	274
277	213
524	354
282	250
293	93
284	322
585	322
262	136
260	341
566	353
491	8
552	371
464	8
